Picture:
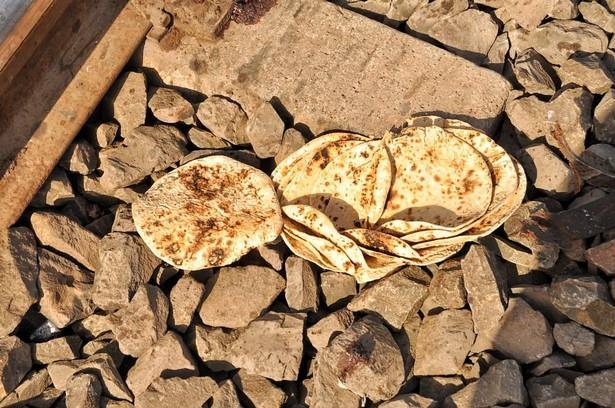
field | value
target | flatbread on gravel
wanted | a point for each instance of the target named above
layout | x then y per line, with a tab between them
352	190
385	243
414	197
209	212
305	250
491	221
318	223
438	179
331	253
296	174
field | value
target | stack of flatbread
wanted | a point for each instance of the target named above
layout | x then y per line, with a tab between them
367	207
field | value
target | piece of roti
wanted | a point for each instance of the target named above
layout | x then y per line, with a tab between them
209	212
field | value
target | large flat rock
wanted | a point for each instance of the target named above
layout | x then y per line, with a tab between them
331	68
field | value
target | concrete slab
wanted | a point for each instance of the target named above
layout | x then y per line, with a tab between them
331	68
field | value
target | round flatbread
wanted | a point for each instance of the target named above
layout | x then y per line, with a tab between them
209	212
491	221
352	190
299	187
438	179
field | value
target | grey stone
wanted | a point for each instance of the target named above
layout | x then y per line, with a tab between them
66	236
301	291
539	297
604	118
567	117
602	356
557	40
104	344
326	390
271	346
590	195
101	226
261	392
143	321
61	371
18	279
169	357
204	139
526	227
15	362
226	303
552	391
393	298
101	365
265	130
588	71
80	158
30	387
93	326
145	150
428	14
213	346
89	186
61	348
547	172
225	396
406	340
292	140
554	361
191	392
595	13
366	360
409	401
564	9
501	384
524	333
496	57
245	156
185	299
329	326
65	288
446	290
574	339
169	106
532	71
274	254
527	14
101	134
337	288
598	387
486	287
586	300
443	342
224	118
125	263
314	85
56	191
81	210
127	101
83	391
438	388
122	221
469	34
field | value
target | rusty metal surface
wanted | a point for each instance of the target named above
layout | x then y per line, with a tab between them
51	99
